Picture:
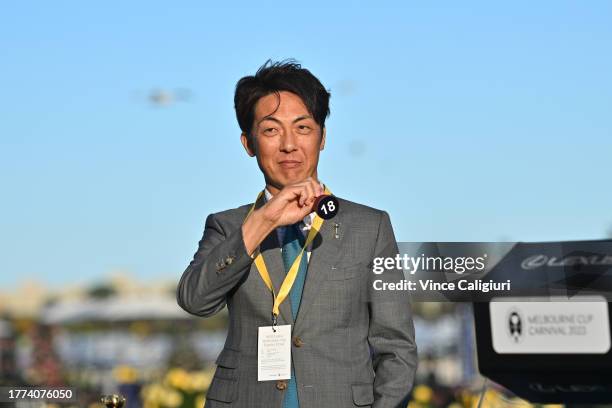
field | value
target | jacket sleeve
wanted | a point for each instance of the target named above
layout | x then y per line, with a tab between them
218	265
391	330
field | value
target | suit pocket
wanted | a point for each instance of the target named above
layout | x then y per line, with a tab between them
343	293
344	273
222	389
224	385
363	394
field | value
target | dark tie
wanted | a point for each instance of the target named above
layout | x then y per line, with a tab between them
293	241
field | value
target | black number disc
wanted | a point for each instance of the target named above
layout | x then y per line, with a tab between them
327	207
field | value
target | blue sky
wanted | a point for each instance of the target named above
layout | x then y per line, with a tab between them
466	121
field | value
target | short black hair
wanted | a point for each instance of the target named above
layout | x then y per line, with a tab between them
273	77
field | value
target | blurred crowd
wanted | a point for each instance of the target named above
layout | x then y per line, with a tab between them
160	359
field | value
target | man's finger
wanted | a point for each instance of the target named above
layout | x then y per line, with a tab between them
303	196
310	191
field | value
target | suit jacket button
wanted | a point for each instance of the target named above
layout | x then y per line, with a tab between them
281	385
297	341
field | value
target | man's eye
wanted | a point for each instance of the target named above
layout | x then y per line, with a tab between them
304	128
270	130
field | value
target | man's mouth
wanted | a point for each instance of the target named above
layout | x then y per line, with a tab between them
289	164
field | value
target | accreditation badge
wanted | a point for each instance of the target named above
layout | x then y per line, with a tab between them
274	353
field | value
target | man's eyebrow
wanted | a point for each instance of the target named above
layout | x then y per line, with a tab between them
301	118
272	118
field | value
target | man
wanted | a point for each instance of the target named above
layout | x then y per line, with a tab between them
350	345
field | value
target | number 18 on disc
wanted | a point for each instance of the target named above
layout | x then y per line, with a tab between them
327	206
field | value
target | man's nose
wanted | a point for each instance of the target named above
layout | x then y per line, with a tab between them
288	141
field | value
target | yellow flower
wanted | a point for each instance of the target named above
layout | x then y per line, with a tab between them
199	381
422	394
178	378
125	374
154	393
173	399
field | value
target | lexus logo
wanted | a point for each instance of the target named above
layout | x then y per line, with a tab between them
534	262
539	260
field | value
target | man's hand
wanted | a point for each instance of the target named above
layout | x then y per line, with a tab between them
292	203
289	206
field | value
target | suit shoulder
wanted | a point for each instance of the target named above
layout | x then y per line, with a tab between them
232	215
360	210
233	211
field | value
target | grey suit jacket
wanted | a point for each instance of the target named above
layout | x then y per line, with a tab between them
352	345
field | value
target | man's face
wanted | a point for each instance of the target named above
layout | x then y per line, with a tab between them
286	140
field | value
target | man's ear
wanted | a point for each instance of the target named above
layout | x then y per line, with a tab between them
322	139
244	139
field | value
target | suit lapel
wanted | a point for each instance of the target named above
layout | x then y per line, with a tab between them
325	251
271	252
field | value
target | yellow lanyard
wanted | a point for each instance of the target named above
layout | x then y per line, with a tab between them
292	274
